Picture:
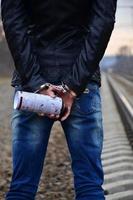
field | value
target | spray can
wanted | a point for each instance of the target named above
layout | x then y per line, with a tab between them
38	103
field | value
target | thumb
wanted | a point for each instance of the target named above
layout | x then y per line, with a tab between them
51	94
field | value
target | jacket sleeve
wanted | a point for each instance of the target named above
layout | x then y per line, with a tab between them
100	26
16	22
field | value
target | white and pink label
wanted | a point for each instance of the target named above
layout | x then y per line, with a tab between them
37	103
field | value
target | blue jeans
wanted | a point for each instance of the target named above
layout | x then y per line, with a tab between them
84	135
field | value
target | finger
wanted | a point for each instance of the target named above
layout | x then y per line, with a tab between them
66	114
57	116
41	114
51	116
51	94
48	92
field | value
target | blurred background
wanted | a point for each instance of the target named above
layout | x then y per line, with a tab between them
118	55
117	103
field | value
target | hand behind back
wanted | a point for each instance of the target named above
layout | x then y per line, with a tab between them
67	98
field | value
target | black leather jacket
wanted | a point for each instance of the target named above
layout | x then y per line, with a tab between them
57	40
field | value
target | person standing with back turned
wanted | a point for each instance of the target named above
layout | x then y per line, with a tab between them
57	45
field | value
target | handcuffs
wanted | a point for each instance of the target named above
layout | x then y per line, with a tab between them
42	87
64	87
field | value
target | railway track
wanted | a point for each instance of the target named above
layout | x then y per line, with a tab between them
117	156
124	107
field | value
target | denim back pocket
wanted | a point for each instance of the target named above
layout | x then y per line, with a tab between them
89	101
